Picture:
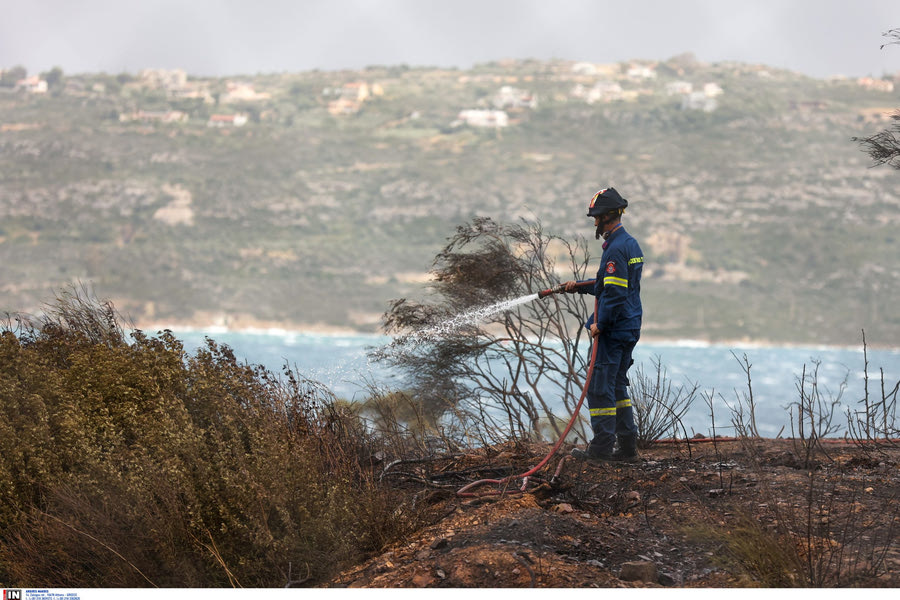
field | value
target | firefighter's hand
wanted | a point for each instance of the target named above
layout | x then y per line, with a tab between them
570	286
595	331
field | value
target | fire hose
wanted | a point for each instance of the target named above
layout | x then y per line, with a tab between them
505	481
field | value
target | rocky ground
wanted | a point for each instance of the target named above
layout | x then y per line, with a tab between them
704	514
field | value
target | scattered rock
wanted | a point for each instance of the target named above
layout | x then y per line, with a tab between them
632	499
639	570
564	508
667	580
384	567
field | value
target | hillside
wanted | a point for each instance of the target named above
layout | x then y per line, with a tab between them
314	198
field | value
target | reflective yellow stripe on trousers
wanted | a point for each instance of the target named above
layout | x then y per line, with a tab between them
603	412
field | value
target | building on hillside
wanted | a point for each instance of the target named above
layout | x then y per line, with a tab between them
639	72
242	92
482	118
32	85
155	116
699	101
711	90
594	69
351	96
163	78
235	120
192	90
356	90
584	68
679	88
344	106
602	91
510	97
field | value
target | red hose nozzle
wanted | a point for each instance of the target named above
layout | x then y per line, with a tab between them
559	289
554	290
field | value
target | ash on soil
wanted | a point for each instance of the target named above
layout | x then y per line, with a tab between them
671	520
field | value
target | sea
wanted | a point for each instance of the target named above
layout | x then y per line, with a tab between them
342	363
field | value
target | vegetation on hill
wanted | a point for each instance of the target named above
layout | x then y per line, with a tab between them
759	216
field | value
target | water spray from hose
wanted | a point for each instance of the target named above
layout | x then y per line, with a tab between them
472	317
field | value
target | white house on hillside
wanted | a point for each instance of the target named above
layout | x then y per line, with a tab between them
602	91
677	88
242	92
32	85
236	120
510	97
163	78
698	101
712	90
483	118
640	72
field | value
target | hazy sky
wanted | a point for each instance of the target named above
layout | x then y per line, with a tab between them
231	37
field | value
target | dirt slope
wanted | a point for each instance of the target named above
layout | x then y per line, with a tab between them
699	514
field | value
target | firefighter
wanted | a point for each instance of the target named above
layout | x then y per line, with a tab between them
616	331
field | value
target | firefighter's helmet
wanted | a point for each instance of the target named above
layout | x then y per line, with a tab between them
606	201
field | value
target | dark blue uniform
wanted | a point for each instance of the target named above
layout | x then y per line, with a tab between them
619	313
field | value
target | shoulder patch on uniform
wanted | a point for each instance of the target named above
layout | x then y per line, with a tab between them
611	267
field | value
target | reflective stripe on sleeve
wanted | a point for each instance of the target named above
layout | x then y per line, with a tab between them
623	403
615	281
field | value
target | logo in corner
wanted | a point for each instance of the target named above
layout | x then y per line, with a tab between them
12	595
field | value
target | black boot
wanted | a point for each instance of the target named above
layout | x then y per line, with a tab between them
594	453
627	451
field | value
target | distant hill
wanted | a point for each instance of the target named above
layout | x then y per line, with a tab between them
311	199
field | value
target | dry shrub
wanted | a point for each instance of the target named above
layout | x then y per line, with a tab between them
131	464
764	556
492	375
826	540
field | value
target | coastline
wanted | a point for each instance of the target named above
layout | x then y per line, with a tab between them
249	326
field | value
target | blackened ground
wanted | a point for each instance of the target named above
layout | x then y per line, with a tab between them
698	514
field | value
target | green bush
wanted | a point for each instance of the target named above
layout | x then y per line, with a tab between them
126	462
